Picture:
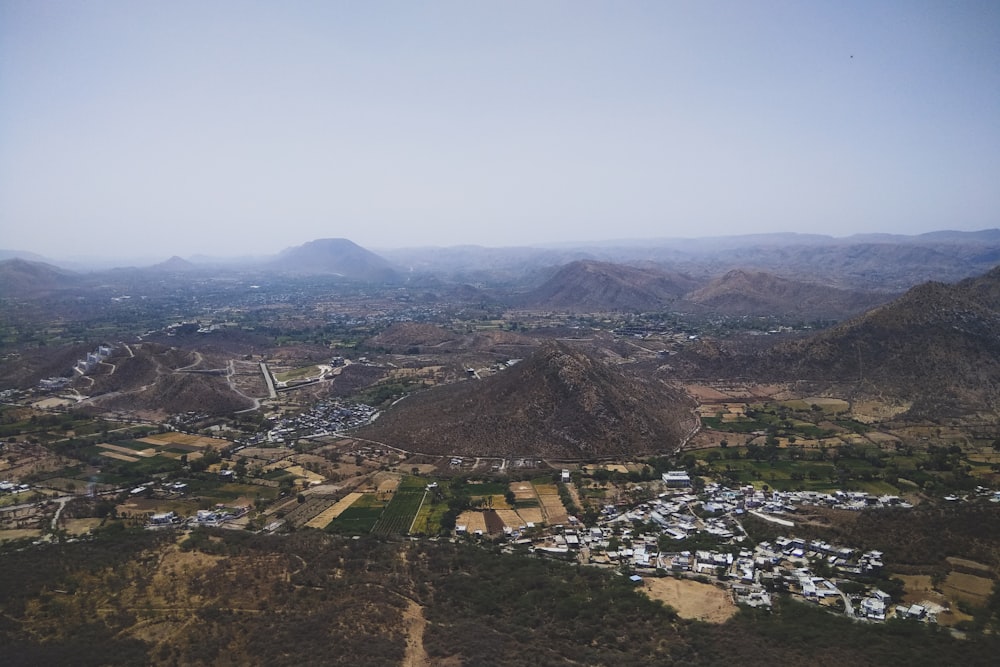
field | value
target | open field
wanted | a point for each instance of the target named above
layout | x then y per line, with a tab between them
398	515
361	516
523	491
323	519
473	520
304	373
19	533
692	599
531	515
552	507
968	587
128	451
174	438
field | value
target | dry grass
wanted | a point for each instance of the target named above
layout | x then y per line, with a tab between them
472	520
692	599
145	453
961	586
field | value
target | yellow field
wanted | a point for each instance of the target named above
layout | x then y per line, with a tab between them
473	520
168	439
323	519
968	587
145	454
309	475
531	515
523	490
692	599
510	518
552	507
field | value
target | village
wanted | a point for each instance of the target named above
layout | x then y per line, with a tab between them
637	542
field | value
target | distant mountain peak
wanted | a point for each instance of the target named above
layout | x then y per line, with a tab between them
335	256
176	264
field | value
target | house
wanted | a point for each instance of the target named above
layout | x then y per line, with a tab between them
677	478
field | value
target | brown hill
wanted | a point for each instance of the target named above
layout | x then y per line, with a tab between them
559	403
413	337
142	378
601	286
177	393
407	335
938	345
741	292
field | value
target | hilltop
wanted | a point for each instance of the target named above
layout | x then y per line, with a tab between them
561	402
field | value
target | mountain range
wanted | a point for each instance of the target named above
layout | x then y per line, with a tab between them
937	346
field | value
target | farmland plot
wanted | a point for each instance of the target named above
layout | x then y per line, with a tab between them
399	514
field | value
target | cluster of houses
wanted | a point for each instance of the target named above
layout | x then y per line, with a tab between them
638	540
324	418
219	515
13	487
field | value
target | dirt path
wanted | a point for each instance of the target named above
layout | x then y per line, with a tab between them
415	623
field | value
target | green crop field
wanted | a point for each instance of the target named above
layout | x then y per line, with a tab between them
360	517
401	510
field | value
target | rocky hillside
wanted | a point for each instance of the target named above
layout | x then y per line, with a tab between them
559	403
588	286
742	292
938	345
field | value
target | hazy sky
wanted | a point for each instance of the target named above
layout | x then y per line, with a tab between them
160	128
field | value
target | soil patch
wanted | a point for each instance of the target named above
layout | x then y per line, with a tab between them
692	599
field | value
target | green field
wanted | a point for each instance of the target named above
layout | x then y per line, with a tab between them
401	510
359	518
848	467
297	374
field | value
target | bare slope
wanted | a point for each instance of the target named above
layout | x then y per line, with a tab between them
937	345
559	403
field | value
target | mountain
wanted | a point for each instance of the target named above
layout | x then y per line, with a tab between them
741	292
174	265
602	286
936	347
6	253
337	257
22	278
560	403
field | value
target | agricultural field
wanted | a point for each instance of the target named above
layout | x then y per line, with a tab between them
304	373
360	517
323	519
402	509
870	468
552	507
